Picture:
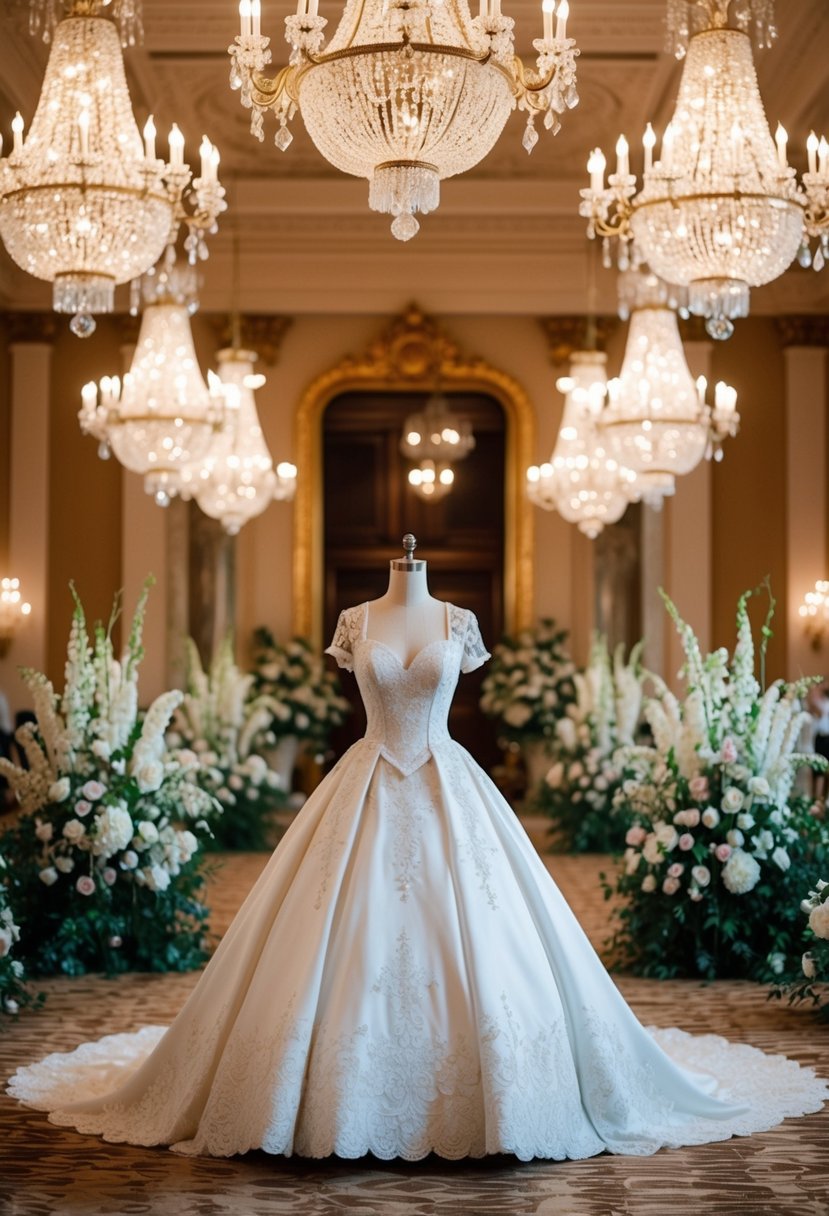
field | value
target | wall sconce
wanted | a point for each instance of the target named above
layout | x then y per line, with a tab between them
814	612
13	611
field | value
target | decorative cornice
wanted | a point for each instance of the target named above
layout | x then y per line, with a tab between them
29	326
568	334
259	332
806	330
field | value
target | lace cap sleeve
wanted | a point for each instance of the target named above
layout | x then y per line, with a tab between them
345	635
474	651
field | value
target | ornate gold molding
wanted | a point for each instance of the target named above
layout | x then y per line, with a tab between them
805	330
29	326
412	353
567	334
259	332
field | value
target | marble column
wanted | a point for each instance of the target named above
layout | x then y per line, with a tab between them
805	340
30	352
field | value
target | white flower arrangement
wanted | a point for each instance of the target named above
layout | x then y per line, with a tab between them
106	811
579	790
529	683
306	699
219	731
716	824
808	979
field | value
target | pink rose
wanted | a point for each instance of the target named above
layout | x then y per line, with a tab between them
85	885
115	942
729	750
635	836
699	788
686	841
93	790
109	875
688	818
670	886
82	807
676	870
722	852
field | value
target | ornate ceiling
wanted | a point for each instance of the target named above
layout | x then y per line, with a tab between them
507	237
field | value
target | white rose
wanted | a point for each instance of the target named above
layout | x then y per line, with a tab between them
781	858
59	790
48	876
149	776
777	962
667	835
651	850
735	838
710	817
235	782
44	832
701	875
759	787
741	873
157	878
555	775
745	821
819	921
65	864
130	860
732	800
518	714
631	860
694	894
5	942
113	830
74	831
808	965
148	831
649	883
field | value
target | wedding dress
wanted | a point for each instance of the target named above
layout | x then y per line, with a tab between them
406	978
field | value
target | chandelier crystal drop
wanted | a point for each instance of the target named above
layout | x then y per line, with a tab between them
657	422
84	203
237	480
161	419
406	92
582	481
721	210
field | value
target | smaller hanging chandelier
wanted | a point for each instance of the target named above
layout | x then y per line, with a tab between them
406	92
14	611
814	612
161	419
435	438
237	480
583	481
84	203
657	422
721	211
432	480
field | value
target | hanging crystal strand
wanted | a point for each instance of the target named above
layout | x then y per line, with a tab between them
128	18
43	17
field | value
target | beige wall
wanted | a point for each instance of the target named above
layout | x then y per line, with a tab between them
747	507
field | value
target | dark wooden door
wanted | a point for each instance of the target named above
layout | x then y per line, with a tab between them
369	505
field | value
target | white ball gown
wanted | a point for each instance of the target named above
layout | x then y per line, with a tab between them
406	978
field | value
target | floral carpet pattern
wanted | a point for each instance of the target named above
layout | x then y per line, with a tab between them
45	1169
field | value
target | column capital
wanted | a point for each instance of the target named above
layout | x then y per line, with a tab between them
259	332
807	330
29	326
568	334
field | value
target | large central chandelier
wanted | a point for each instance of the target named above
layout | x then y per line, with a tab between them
84	203
237	480
406	92
657	421
583	481
161	419
721	210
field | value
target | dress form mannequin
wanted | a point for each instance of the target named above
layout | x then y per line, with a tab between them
407	618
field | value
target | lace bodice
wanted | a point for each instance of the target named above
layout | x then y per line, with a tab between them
407	707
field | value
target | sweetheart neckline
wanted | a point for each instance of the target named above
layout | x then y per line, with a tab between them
423	649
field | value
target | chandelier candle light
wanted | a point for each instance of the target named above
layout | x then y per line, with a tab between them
84	203
583	481
406	92
720	211
13	611
237	480
161	419
814	612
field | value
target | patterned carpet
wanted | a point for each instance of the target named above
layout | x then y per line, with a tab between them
44	1169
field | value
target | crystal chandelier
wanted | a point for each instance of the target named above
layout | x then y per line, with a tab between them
13	611
406	92
84	204
721	210
582	481
237	480
162	418
657	422
435	438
